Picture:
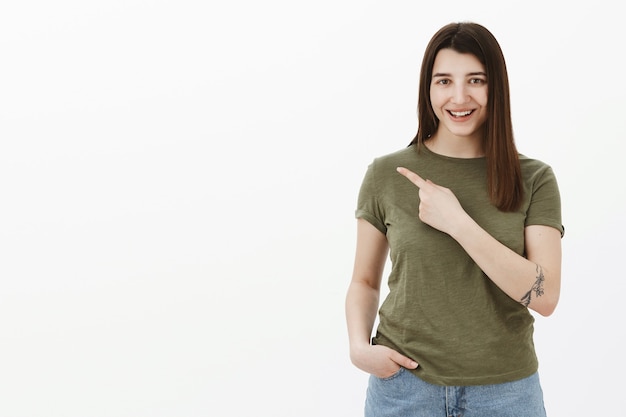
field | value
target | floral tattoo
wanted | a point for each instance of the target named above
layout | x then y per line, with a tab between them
537	288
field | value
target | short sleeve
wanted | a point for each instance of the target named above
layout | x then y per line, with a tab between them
545	203
368	206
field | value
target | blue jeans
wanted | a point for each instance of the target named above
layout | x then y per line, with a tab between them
405	395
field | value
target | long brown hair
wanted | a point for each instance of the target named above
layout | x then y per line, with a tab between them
504	178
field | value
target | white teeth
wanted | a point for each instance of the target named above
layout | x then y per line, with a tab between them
460	113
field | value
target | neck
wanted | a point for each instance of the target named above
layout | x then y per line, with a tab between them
456	146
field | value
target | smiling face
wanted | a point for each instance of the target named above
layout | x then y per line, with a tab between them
458	95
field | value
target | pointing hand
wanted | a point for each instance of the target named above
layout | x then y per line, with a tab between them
438	206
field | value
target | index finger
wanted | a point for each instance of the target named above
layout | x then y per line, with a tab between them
412	176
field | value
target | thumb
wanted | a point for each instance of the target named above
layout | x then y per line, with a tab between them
404	361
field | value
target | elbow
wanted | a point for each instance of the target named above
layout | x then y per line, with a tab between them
545	300
545	307
546	311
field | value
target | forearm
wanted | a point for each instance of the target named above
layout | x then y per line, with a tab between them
531	283
361	310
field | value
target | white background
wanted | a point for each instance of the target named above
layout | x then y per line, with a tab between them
178	182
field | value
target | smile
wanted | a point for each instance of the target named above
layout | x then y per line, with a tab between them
460	113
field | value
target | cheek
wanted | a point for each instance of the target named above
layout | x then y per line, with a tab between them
436	100
484	98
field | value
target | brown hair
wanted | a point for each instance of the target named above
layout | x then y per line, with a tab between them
504	179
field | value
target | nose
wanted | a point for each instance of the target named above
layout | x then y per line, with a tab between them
459	94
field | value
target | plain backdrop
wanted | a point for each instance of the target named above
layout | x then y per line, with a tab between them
178	182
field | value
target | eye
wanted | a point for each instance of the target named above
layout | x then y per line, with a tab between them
477	81
442	81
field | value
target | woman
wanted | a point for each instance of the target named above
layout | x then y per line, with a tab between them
473	230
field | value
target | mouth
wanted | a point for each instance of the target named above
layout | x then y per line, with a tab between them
459	114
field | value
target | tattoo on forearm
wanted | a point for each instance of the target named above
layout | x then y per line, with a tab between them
537	288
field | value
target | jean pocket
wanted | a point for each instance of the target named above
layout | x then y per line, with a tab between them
393	376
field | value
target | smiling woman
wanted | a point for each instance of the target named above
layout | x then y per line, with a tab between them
179	180
475	242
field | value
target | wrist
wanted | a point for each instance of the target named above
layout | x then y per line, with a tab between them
358	348
462	226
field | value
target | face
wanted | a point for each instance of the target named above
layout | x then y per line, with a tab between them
458	95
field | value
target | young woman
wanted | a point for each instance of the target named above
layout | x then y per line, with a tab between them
473	230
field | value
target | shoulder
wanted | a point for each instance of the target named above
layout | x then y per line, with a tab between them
539	178
534	168
397	158
381	172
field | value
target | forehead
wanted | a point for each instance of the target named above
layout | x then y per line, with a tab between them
449	61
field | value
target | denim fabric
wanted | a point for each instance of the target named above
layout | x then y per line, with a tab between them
405	395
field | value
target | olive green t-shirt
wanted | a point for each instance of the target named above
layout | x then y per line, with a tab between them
442	310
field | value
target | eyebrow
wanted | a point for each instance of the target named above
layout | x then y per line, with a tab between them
445	74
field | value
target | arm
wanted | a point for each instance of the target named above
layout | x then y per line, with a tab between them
362	301
534	281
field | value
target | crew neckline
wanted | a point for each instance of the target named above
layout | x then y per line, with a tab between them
426	149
